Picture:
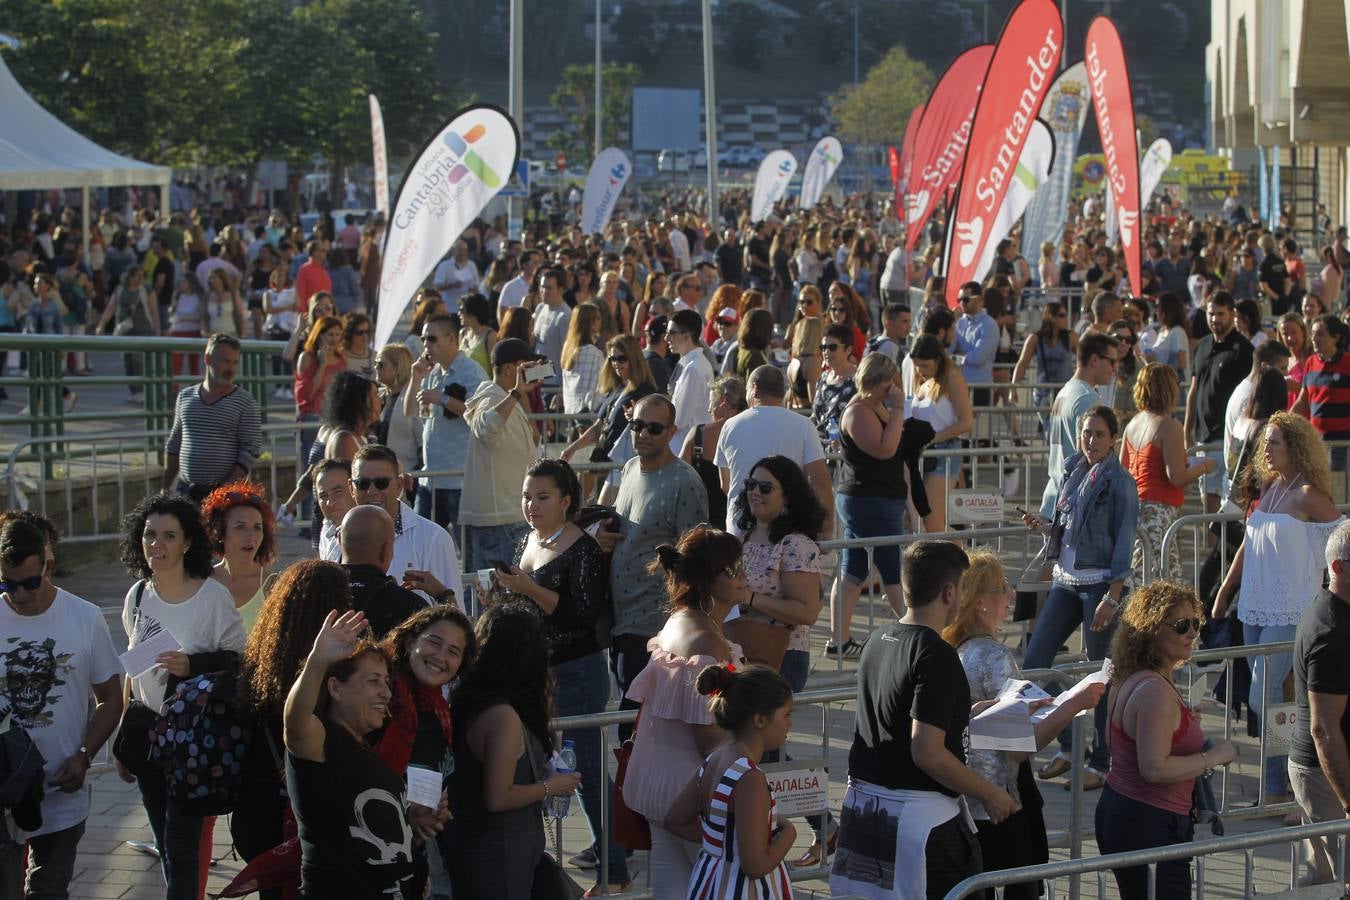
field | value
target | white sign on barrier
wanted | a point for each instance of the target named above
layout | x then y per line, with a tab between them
1281	718
975	507
800	787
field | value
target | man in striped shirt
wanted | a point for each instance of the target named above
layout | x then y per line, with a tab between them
1325	395
217	435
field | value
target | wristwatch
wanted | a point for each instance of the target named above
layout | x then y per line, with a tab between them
88	757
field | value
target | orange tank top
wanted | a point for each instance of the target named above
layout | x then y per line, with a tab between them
1150	474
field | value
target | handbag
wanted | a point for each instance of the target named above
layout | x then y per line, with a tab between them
1204	805
132	746
631	830
551	882
1029	593
761	642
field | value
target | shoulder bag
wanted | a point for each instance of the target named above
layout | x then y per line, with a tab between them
631	829
132	745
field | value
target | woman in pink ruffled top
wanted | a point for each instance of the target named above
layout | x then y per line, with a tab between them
705	578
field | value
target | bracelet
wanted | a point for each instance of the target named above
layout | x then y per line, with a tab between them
1115	604
752	600
545	784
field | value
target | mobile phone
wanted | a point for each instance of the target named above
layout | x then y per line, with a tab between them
499	564
539	372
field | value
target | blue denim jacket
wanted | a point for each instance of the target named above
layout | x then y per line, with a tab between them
1103	538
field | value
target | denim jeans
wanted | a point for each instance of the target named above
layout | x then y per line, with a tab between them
1268	674
491	544
582	688
51	864
440	505
868	517
1067	607
177	836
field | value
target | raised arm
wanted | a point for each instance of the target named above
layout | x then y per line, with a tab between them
303	730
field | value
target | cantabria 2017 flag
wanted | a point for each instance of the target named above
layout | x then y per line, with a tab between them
771	182
381	157
820	168
1065	111
449	182
1028	177
1019	76
604	183
1157	158
1109	81
903	166
944	130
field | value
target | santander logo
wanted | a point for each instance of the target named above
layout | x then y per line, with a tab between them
970	235
1098	74
990	183
1128	220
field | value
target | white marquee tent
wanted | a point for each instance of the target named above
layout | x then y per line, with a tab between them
38	151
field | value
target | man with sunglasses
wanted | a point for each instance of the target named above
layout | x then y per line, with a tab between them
424	557
660	498
976	341
56	654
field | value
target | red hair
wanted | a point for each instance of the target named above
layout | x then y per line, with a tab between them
217	507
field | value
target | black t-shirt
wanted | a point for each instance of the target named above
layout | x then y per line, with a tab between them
728	263
660	370
164	267
352	812
906	672
386	603
1274	274
1219	367
1321	665
759	250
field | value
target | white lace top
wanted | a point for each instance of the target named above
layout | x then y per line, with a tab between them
1282	567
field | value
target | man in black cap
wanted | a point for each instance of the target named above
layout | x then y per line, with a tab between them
502	444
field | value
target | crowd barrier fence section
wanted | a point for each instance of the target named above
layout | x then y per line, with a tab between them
1100	866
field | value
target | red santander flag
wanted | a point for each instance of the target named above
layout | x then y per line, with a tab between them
1025	61
941	138
902	164
1109	84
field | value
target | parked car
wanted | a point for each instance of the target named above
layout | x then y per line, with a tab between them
673	161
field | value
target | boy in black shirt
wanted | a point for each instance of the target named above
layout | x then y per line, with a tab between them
903	827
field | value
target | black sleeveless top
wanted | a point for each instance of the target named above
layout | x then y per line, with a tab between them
355	840
866	476
711	478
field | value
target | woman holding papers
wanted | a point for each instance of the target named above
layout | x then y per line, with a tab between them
1089	540
1159	747
1019	840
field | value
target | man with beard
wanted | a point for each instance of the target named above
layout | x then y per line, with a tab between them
55	652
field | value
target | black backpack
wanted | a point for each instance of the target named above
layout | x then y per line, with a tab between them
201	739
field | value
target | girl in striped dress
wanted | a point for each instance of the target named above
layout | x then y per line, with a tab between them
729	806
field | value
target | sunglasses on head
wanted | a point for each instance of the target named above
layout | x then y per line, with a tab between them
736	569
764	487
637	426
365	484
28	584
615	360
1184	627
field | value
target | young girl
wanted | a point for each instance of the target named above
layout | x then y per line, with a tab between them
744	843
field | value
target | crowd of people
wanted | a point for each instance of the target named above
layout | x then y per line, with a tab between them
741	392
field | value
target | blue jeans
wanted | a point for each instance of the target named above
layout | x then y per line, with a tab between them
1067	607
177	835
582	688
867	517
490	544
440	505
1268	674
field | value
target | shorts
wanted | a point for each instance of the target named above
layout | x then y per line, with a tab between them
1215	482
870	517
947	465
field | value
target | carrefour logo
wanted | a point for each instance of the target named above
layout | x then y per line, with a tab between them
617	174
785	167
469	161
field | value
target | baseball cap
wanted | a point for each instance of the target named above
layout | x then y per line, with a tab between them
509	350
727	314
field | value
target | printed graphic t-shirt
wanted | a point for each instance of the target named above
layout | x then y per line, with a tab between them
204	623
47	665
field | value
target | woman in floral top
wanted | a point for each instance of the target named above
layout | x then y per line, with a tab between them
1020	839
782	518
836	386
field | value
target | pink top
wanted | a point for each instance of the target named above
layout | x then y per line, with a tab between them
1124	777
665	755
303	382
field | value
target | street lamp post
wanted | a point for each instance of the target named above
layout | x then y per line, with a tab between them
710	112
599	131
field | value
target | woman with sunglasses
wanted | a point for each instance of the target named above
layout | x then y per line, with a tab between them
846	309
705	577
1089	541
1127	369
624	380
1277	571
1160	748
836	388
810	305
355	344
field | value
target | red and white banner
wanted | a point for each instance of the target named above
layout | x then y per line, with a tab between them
1030	174
944	131
447	185
381	157
1025	61
1109	82
902	164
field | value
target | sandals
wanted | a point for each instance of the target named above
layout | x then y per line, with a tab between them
811	858
594	891
1057	765
849	650
1092	780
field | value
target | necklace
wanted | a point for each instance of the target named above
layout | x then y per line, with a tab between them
552	537
1288	486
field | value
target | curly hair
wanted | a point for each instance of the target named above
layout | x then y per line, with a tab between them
802	511
293	611
1305	450
346	403
400	639
511	667
216	509
197	555
1143	616
691	567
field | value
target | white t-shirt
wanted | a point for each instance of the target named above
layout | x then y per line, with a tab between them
206	622
461	279
513	293
763	431
48	664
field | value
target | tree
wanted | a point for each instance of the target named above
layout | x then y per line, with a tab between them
574	98
742	28
638	33
875	111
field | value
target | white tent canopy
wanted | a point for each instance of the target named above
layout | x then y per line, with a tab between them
38	151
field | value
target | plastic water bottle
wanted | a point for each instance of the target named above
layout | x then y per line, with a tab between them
834	430
564	762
